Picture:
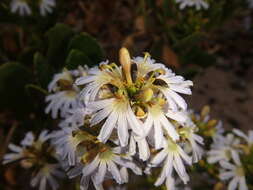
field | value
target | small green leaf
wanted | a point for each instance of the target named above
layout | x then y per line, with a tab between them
13	78
88	45
58	38
76	58
43	70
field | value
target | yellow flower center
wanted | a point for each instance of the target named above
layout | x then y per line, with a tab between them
239	171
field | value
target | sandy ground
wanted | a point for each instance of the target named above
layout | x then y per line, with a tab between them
229	94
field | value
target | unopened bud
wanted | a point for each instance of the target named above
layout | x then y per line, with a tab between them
125	61
146	95
205	111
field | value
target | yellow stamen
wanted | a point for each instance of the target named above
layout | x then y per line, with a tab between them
146	56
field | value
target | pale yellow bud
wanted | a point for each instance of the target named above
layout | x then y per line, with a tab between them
212	123
205	111
146	95
125	61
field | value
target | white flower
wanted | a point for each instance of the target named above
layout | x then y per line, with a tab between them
66	141
157	120
46	175
223	148
64	93
106	163
235	173
199	4
19	152
172	156
21	6
172	84
118	114
248	138
34	154
75	117
140	90
46	6
61	102
188	133
65	76
85	180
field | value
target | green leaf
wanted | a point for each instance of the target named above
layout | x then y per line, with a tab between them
189	41
89	46
167	8
13	78
199	57
58	38
76	58
43	70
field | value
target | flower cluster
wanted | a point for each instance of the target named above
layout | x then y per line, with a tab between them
23	7
117	118
114	115
233	152
209	128
37	154
229	155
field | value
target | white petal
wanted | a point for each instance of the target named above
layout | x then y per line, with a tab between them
227	165
226	175
159	157
115	172
91	167
233	183
122	130
101	173
158	134
143	147
178	99
124	174
179	167
169	128
242	184
170	183
107	128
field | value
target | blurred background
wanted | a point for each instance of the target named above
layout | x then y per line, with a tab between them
212	46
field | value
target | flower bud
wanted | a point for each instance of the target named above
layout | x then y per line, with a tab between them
125	61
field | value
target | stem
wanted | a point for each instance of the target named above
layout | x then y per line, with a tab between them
8	139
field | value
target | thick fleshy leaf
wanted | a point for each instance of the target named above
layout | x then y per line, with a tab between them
87	45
